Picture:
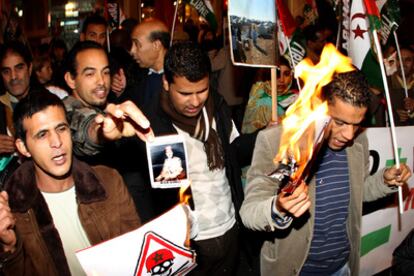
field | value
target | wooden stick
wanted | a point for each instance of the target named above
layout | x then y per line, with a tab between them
274	93
173	25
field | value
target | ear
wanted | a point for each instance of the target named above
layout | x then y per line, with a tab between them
156	44
30	68
21	147
165	83
82	37
70	81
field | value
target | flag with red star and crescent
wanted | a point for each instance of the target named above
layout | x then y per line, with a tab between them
360	37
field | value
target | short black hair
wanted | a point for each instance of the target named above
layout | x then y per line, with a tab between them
163	37
37	100
70	62
18	48
350	87
186	59
95	20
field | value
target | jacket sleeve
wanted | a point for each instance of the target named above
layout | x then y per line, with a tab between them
374	185
80	119
261	189
403	262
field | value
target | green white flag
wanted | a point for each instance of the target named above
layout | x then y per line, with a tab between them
205	10
390	18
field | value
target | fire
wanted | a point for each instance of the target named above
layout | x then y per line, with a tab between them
297	141
185	196
184	192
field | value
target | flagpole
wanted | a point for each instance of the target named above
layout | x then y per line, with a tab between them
390	114
273	82
173	25
397	45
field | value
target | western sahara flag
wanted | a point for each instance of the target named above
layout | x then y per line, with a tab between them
288	32
205	10
364	17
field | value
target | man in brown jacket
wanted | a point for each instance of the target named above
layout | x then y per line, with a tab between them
54	205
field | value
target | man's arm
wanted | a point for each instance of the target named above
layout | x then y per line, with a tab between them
91	129
261	202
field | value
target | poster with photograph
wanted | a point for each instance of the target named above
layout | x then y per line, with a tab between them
167	162
253	32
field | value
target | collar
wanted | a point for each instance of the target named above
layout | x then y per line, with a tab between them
24	193
152	71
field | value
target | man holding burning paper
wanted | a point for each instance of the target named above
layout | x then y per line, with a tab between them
316	217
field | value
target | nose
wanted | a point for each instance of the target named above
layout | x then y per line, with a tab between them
100	78
55	140
133	50
195	100
348	132
13	74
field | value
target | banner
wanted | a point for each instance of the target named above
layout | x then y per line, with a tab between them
292	44
156	248
205	10
381	233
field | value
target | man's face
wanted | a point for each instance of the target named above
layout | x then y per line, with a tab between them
48	142
169	152
144	51
16	75
346	120
93	79
408	61
187	97
96	32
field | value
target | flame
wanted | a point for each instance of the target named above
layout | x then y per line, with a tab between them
183	193
298	125
185	196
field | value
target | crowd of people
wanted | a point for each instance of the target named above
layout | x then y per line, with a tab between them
75	123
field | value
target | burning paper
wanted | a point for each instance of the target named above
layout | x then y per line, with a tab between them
306	120
156	248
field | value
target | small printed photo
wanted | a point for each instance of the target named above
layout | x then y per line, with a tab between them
167	162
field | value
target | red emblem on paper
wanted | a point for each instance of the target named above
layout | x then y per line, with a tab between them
160	257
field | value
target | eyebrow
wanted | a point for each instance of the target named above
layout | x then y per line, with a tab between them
192	92
345	122
93	68
47	130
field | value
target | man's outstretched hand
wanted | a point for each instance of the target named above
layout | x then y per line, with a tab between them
124	120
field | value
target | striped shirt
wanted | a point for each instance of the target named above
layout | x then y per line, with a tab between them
329	249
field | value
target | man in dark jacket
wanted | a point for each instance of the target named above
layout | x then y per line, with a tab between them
187	106
54	205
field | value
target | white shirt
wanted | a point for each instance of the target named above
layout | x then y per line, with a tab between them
64	210
214	209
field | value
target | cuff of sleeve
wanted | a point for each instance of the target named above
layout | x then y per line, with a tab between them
281	222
